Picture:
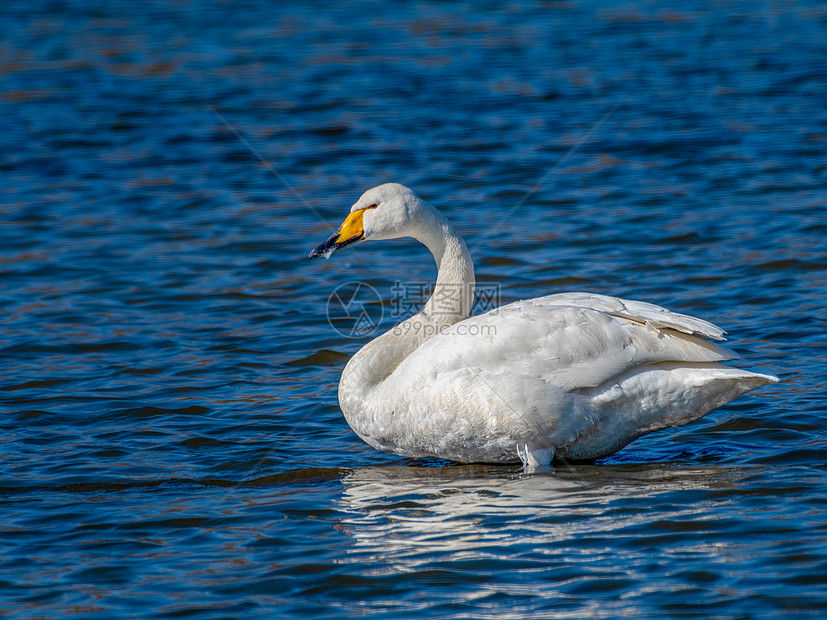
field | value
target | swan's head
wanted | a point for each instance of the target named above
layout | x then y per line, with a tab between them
386	211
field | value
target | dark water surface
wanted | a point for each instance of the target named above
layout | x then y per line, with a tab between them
170	439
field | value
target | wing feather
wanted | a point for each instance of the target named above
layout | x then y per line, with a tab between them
639	311
566	342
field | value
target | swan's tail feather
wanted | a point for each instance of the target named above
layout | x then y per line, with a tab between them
657	396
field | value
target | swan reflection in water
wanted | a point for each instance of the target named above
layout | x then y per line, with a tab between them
406	518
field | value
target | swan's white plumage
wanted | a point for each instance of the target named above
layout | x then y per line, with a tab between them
575	374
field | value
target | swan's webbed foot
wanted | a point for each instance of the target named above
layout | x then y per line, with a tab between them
535	459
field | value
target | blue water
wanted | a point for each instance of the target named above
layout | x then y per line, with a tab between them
170	439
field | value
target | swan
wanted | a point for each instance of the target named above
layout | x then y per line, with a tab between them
572	375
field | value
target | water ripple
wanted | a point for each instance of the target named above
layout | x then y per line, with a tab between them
171	442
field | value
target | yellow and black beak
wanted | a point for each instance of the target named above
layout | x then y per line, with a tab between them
351	231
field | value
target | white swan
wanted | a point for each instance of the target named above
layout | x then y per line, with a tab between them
577	375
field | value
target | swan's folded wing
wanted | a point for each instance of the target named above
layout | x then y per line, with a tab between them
524	368
639	311
569	346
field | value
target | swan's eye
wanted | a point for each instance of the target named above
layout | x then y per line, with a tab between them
373	206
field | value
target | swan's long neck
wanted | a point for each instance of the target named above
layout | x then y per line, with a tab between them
450	302
454	289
